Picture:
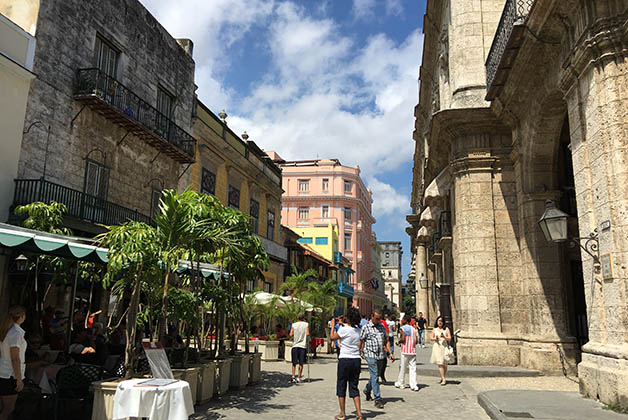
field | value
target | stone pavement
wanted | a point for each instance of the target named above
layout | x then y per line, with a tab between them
552	405
276	398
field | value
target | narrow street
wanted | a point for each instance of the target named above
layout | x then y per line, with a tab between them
276	398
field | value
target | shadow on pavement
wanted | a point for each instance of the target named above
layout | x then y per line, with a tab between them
252	400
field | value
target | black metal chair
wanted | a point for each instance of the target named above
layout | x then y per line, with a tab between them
119	369
73	389
142	367
176	358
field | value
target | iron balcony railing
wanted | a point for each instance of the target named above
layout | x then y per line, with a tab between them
435	242
79	204
134	113
445	223
515	11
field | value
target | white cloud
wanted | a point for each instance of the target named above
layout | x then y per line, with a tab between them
387	201
363	8
324	93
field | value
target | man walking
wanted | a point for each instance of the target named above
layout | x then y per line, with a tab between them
374	345
421	326
408	354
300	331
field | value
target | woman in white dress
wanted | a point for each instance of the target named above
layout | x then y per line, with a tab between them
441	338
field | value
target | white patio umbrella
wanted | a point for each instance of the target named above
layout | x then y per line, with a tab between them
307	306
265	298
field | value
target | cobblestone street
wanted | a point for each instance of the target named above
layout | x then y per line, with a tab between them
276	398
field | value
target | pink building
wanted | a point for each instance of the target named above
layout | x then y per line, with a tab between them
320	192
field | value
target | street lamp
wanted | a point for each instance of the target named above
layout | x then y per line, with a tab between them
20	263
553	223
423	281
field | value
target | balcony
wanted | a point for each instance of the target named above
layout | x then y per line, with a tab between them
508	39
120	105
79	204
445	223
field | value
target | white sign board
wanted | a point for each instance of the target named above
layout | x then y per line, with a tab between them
158	360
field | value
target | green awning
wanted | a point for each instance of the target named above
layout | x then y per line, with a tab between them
34	241
75	248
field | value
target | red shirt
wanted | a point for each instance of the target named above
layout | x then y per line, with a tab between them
385	325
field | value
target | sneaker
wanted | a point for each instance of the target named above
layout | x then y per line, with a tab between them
416	388
379	404
398	385
368	396
297	380
293	380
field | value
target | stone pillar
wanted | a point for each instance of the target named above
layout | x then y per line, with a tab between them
479	153
597	96
422	298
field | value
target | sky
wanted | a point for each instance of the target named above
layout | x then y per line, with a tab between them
315	79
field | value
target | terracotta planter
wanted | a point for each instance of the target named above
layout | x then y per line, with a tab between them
255	368
190	375
269	350
288	354
206	382
239	375
103	399
223	372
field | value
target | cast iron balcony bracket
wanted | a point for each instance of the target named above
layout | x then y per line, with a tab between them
505	44
591	246
119	104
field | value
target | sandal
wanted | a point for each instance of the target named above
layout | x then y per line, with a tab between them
339	417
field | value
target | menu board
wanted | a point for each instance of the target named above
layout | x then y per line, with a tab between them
158	360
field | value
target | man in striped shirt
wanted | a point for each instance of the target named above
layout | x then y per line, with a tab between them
408	354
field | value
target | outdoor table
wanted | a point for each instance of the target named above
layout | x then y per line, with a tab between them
170	402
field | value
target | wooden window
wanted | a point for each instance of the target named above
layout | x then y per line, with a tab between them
325	184
304	213
234	197
96	179
106	57
304	185
347	213
347	241
250	285
348	186
270	226
254	215
325	212
208	182
164	102
154	202
268	287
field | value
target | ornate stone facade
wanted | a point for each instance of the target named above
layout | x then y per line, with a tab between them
549	124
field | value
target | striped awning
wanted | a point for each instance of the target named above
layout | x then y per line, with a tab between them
30	240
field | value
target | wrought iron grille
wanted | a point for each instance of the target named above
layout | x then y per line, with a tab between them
79	204
514	12
94	82
208	182
234	197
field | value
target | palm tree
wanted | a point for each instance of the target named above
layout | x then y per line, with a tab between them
297	284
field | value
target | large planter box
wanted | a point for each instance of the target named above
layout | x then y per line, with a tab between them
269	350
325	348
190	375
206	382
239	371
288	353
255	368
223	373
103	399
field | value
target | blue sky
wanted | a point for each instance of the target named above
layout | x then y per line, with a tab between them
315	78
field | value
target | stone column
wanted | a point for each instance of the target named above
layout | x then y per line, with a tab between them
422	298
479	152
596	89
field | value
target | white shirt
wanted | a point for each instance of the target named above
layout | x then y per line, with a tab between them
349	342
300	334
14	338
391	325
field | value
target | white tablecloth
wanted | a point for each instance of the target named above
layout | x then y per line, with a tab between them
170	402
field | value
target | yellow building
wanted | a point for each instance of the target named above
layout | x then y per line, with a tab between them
237	172
322	239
